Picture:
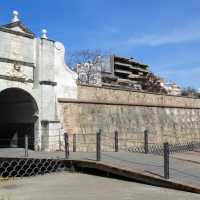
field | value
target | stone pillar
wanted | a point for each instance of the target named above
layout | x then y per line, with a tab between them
51	135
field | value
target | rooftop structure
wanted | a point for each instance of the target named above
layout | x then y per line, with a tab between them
172	88
125	70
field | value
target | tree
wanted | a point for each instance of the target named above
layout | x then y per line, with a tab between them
87	63
190	91
151	83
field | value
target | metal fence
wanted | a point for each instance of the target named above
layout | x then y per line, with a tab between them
163	149
29	167
50	147
141	146
96	144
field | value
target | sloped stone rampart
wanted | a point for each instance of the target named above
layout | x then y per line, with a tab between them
130	113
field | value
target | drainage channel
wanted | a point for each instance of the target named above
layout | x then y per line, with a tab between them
19	168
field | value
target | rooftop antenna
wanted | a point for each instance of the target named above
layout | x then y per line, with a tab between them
110	50
15	19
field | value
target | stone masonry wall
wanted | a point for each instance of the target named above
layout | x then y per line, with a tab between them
167	118
127	96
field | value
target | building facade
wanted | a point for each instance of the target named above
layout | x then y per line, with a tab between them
124	70
88	73
172	88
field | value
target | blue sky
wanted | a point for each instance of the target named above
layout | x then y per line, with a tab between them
164	34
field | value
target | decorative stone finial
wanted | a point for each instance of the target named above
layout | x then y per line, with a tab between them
44	34
15	14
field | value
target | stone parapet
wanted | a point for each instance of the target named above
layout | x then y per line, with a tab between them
130	96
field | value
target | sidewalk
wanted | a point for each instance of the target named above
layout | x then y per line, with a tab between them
193	156
77	186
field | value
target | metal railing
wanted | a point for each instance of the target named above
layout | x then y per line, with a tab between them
100	142
162	149
142	145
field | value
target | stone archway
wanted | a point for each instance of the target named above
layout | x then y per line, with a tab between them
18	114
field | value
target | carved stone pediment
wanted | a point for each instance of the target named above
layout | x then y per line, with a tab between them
17	28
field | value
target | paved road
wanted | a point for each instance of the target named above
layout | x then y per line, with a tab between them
189	156
181	171
76	186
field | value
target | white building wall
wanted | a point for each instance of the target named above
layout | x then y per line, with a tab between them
172	88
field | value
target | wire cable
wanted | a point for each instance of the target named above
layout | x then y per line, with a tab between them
130	161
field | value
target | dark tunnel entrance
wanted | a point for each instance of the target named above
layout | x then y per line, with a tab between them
18	112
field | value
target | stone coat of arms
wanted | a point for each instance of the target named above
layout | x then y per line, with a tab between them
16	48
16	71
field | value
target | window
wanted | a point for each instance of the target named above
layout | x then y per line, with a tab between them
98	68
93	79
82	76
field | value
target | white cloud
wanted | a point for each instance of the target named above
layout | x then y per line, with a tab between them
180	72
187	33
174	64
109	29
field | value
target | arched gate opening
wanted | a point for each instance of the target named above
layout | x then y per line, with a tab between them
18	114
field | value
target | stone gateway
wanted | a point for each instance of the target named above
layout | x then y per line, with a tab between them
33	75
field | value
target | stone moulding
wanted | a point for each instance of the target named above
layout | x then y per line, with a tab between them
117	87
67	100
27	64
11	78
16	32
48	83
50	121
26	32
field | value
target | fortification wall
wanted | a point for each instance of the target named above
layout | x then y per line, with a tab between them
167	118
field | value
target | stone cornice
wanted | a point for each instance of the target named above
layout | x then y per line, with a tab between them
26	32
111	87
7	60
67	100
16	32
50	121
11	78
48	83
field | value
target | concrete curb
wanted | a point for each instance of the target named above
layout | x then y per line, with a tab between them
139	175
